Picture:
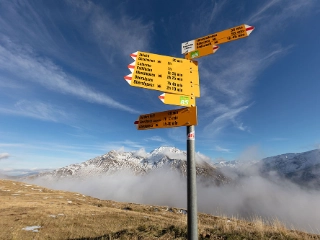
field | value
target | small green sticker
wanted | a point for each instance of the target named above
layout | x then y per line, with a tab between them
184	100
194	54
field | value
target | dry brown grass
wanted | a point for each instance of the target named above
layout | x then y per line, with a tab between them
68	215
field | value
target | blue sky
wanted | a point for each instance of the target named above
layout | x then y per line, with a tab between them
63	98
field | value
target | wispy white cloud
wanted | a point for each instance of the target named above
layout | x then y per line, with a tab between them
6	83
124	35
126	145
38	110
90	150
4	155
12	144
240	126
278	139
228	76
222	121
25	64
277	11
220	149
261	13
107	35
208	14
35	45
155	138
54	147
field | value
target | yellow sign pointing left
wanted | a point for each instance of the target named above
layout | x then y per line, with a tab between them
164	73
168	119
179	100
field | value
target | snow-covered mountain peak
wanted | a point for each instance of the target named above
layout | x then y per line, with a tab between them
170	152
165	149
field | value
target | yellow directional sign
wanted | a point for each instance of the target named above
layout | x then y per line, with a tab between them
168	119
179	100
208	41
164	73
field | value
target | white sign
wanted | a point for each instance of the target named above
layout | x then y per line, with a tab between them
187	47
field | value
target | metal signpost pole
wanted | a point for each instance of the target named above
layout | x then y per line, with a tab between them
191	185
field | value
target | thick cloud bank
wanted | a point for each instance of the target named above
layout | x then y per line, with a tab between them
248	198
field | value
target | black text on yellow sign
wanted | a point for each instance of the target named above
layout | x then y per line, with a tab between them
168	119
164	73
203	46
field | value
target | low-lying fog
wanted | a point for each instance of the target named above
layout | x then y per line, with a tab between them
251	197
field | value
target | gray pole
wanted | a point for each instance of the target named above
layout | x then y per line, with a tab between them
191	185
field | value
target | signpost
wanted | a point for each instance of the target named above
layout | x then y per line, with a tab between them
202	46
168	119
179	100
194	49
179	79
164	73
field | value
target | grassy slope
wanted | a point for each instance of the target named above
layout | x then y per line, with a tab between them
67	215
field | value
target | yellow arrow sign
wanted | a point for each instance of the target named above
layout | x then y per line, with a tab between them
164	73
179	100
207	42
168	119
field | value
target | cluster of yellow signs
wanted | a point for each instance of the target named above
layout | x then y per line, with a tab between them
177	77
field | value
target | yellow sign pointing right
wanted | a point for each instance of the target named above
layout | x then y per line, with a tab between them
194	47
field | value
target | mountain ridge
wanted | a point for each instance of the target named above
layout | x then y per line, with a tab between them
139	163
302	169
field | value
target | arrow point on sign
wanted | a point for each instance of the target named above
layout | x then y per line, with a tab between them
136	123
249	29
131	66
134	55
161	97
128	78
215	48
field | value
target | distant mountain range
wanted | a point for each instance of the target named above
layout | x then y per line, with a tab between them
300	168
138	163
